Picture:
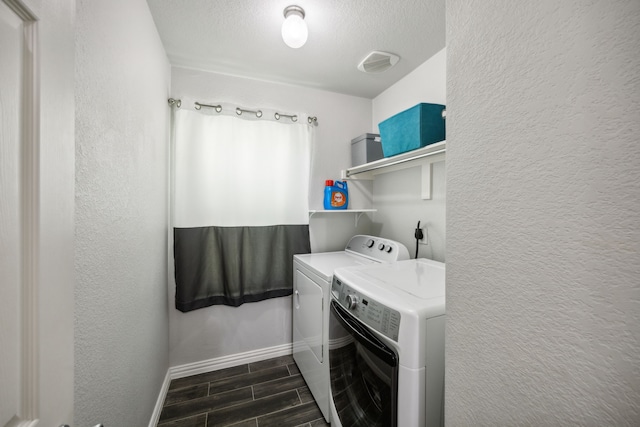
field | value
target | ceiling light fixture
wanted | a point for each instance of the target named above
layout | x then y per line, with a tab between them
294	29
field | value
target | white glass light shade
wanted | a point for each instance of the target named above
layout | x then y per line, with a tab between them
294	30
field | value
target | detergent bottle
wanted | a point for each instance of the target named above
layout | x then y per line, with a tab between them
336	195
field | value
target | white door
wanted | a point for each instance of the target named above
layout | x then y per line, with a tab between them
36	284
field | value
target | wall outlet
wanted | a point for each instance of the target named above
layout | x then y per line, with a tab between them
425	237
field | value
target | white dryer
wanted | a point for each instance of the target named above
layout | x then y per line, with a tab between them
313	274
386	345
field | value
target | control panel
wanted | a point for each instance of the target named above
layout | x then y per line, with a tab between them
370	312
377	248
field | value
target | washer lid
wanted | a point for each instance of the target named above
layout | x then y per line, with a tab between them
411	286
421	278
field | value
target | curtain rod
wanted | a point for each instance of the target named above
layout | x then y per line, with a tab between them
240	111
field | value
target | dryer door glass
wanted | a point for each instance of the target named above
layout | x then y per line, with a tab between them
364	373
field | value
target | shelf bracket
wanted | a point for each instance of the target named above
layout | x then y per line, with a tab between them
427	171
358	215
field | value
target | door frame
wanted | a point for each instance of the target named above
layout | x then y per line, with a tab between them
30	213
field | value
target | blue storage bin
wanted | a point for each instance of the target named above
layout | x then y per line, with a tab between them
414	128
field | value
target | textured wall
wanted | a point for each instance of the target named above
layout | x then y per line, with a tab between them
397	195
219	330
121	321
543	186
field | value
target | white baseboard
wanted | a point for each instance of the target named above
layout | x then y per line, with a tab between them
229	361
214	364
155	416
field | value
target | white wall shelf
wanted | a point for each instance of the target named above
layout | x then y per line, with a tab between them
358	212
423	157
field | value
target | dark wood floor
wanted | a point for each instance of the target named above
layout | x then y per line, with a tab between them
267	393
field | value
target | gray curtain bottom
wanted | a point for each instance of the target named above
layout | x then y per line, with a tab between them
234	265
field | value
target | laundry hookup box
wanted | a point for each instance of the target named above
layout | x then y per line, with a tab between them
365	148
414	128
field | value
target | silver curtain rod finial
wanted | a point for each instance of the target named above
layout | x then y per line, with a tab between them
175	102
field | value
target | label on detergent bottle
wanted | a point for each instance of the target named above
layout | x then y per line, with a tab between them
338	200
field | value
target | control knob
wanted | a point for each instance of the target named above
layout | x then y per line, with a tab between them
370	243
381	246
352	301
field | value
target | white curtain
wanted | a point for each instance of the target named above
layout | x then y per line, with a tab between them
240	205
233	171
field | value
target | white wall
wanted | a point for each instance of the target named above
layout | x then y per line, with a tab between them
543	187
219	330
397	195
427	83
121	320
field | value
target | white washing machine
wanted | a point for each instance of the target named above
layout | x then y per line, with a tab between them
386	345
313	274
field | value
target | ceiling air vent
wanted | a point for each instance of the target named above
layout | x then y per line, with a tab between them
377	62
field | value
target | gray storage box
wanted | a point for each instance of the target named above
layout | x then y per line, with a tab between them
366	148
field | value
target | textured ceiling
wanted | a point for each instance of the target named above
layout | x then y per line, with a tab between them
242	38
